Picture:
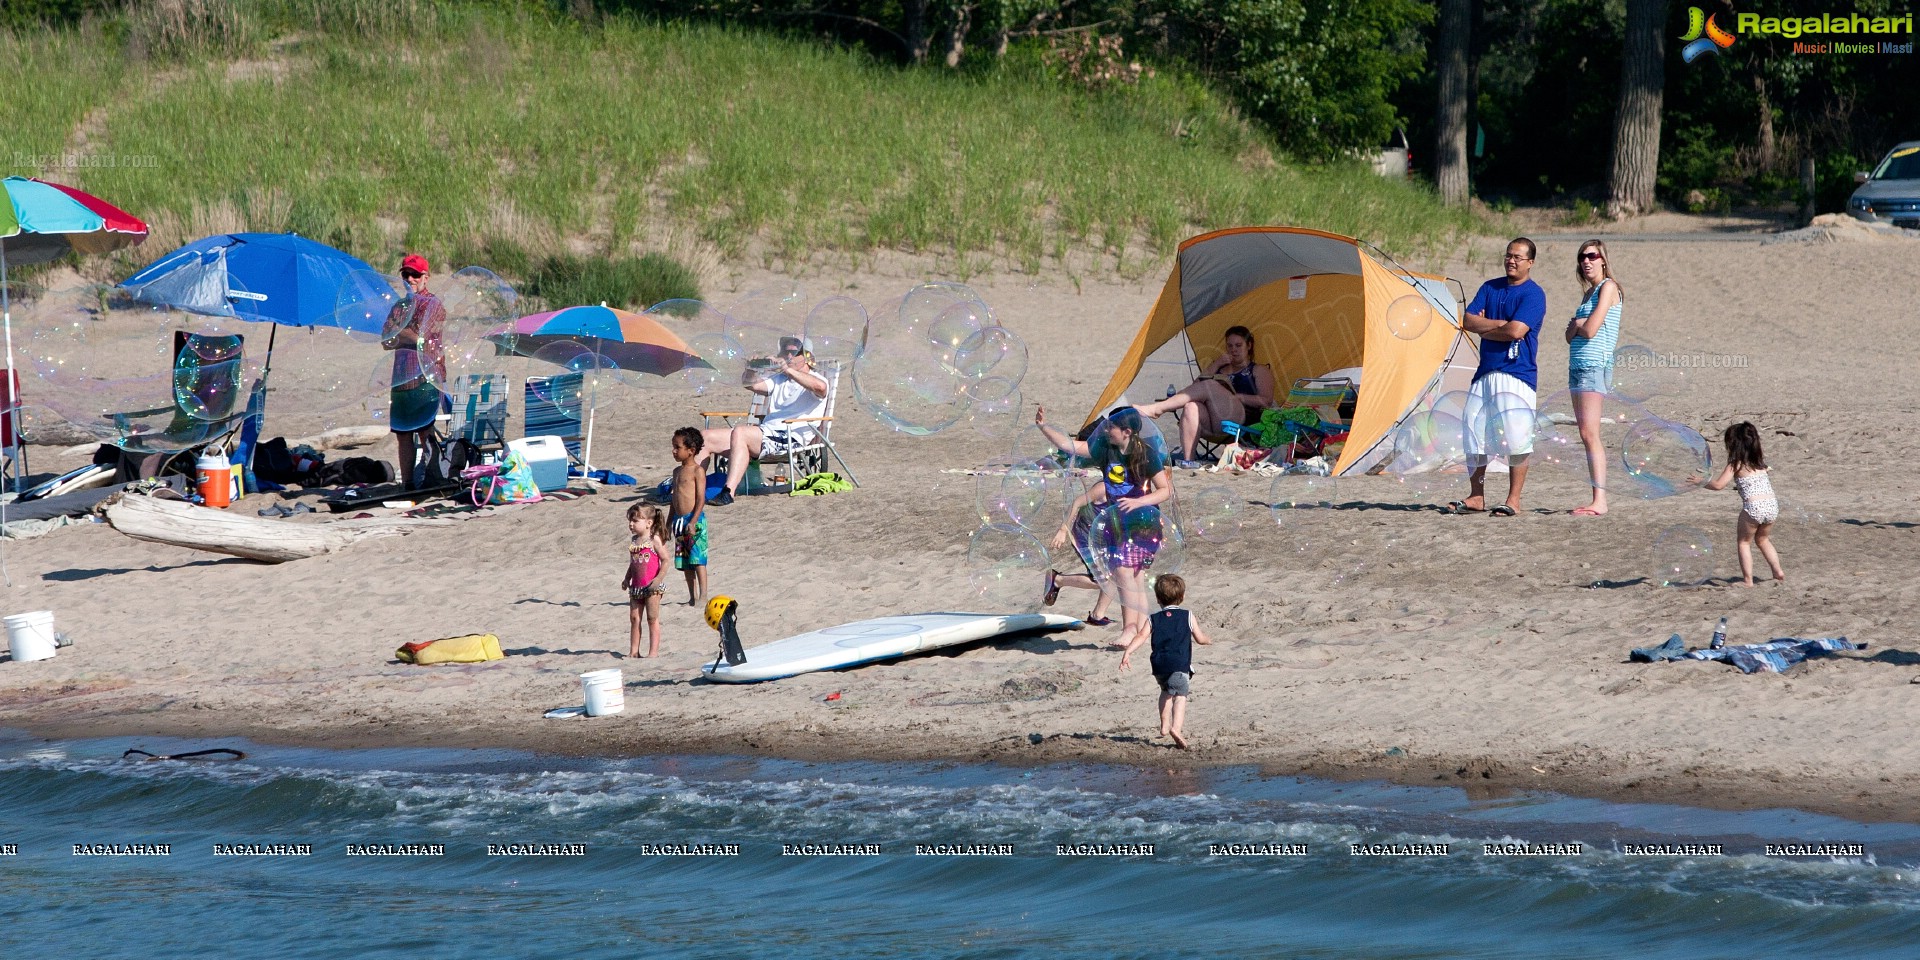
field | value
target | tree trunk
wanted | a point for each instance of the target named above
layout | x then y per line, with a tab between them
1450	137
913	26
1636	122
957	34
1765	154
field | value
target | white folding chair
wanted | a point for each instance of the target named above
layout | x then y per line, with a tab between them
806	458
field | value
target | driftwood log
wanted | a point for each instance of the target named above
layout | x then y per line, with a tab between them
273	541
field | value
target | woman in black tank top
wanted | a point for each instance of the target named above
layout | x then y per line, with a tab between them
1233	389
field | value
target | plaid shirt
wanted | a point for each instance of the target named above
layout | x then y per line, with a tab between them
418	326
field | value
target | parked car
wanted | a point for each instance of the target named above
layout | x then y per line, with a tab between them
1396	159
1891	193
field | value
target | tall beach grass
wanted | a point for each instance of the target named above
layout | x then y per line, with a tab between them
403	125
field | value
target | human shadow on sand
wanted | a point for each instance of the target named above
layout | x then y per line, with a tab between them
1883	524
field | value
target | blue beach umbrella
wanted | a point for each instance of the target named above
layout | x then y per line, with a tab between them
278	278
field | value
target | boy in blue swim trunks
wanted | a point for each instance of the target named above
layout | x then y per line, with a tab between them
688	517
1174	633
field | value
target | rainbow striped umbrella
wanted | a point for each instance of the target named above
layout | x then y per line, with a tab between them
597	339
604	337
40	221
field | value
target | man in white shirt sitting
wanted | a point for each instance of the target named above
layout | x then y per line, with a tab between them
794	392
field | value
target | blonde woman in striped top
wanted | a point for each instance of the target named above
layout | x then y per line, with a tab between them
1592	335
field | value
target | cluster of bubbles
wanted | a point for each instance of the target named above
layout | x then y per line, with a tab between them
1051	512
939	359
106	367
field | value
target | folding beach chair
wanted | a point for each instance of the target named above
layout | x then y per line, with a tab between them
553	406
209	398
479	416
1330	398
807	458
13	449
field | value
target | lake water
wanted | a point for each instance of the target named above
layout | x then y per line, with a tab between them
748	857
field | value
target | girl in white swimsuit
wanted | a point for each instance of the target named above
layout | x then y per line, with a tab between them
1746	469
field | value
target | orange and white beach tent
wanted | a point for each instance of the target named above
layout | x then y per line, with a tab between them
1317	304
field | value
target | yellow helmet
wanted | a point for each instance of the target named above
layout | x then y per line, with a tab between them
717	608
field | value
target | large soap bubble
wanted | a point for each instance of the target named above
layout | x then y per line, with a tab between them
1025	493
210	378
989	352
921	309
716	361
1408	317
957	323
1504	423
1634	372
994	407
364	302
1006	568
900	380
1426	440
1682	556
837	328
1214	514
1302	491
1665	458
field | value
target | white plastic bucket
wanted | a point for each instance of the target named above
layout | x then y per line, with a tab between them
30	635
606	689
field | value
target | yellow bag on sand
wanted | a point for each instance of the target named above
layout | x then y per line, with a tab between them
472	648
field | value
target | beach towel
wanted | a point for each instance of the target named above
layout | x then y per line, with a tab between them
472	648
1776	655
819	484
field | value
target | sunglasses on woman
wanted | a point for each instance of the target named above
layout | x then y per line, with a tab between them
1590	255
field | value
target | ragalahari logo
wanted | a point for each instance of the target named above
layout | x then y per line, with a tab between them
1713	41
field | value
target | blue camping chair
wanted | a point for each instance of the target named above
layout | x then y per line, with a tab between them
210	398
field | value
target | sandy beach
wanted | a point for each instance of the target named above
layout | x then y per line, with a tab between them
1383	639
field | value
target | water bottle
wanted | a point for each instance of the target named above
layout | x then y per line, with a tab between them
1170	391
1719	635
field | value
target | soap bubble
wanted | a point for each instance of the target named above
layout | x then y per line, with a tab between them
921	308
837	328
994	406
1006	568
1022	493
1422	485
1682	557
210	378
1409	317
1665	458
1504	424
1452	403
989	352
364	302
1302	491
1425	440
899	380
758	340
956	324
1634	373
1562	453
717	361
1214	514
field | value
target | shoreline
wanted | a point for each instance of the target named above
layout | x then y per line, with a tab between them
1480	777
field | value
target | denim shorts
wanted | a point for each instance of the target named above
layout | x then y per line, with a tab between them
1590	379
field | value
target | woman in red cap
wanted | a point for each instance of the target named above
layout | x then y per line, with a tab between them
413	332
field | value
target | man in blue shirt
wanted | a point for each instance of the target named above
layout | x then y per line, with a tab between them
1506	315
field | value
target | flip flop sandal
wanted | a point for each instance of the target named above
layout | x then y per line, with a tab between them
1459	508
1502	510
1052	590
1098	621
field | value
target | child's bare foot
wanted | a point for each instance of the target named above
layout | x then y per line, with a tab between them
1178	740
1745	583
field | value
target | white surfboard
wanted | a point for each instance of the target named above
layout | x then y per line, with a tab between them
882	638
